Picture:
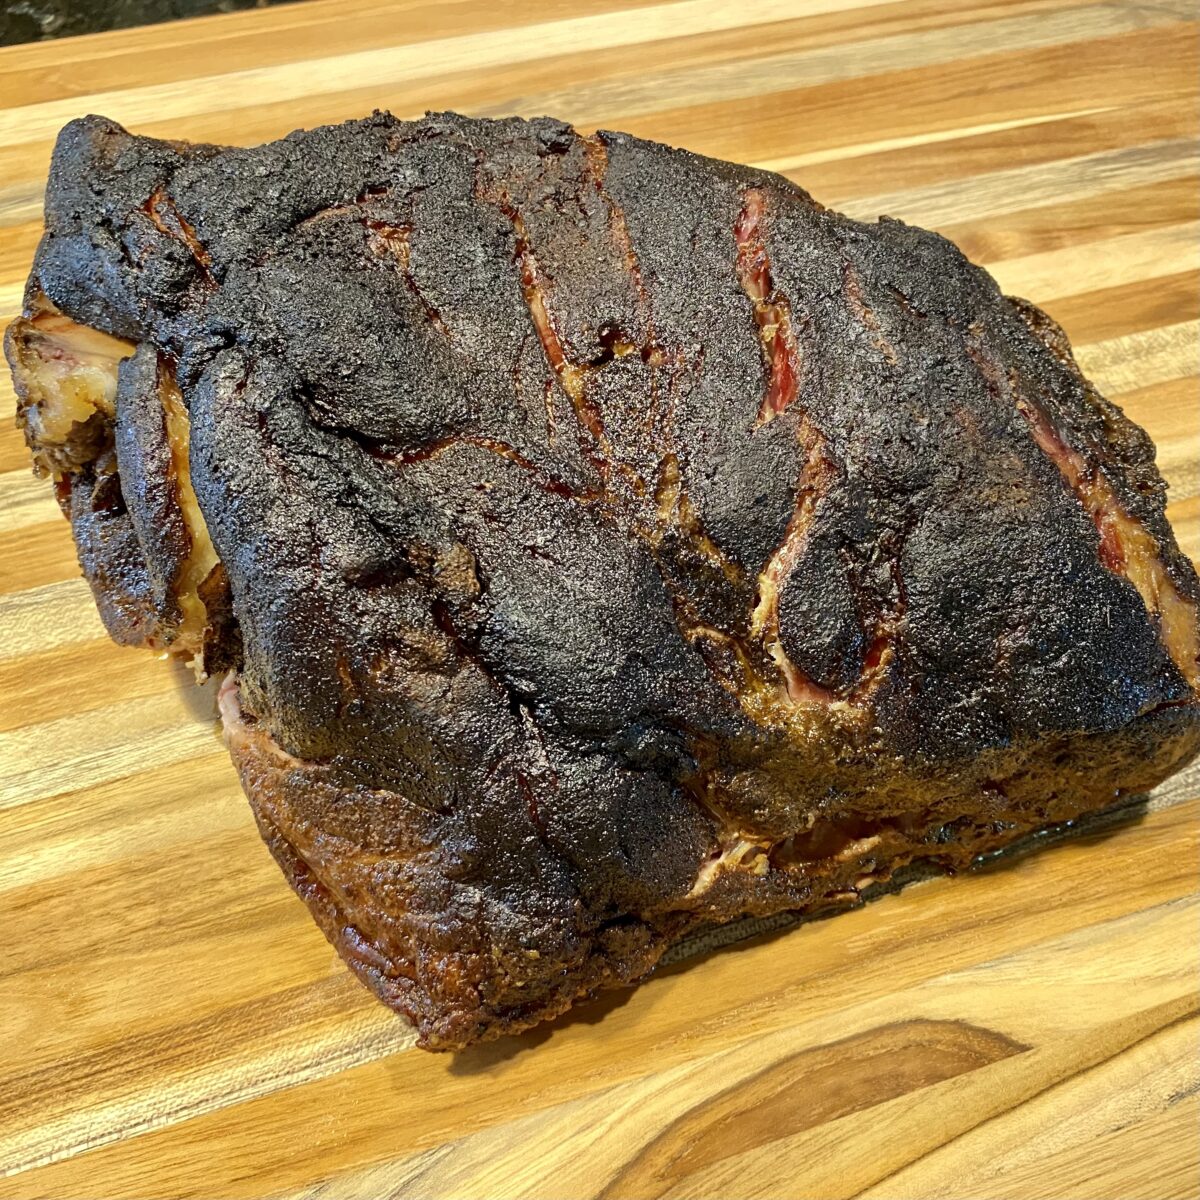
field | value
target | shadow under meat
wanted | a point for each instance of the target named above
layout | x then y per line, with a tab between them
200	700
743	934
479	1059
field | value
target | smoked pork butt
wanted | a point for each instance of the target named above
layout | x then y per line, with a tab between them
596	541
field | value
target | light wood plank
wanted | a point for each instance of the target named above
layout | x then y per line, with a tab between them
994	193
1135	307
1110	262
1138	360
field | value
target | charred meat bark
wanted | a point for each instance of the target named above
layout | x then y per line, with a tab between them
600	540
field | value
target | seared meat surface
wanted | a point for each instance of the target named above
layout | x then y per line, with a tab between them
600	540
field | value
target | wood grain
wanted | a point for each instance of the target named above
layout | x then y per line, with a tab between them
171	1023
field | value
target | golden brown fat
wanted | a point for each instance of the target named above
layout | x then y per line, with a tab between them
202	557
66	377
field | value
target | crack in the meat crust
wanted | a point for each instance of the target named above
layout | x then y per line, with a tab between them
816	475
651	352
864	313
200	560
547	481
772	310
167	218
389	241
572	377
1125	546
774	318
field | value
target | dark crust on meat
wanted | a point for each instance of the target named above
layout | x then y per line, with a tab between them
464	966
478	431
148	483
113	562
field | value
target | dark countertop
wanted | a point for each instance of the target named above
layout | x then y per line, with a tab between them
38	20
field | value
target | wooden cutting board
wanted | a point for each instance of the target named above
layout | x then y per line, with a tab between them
171	1022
